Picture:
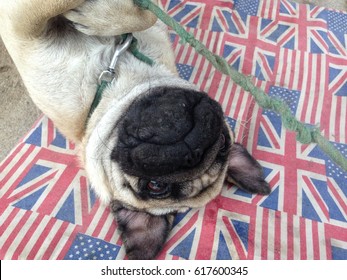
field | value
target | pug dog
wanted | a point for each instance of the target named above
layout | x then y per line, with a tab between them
155	145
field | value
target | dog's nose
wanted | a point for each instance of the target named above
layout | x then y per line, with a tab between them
167	130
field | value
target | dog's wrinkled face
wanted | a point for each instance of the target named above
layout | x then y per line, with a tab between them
172	144
169	149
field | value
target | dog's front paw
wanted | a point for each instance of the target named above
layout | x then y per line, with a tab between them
109	17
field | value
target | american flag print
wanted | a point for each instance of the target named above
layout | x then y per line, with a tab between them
294	52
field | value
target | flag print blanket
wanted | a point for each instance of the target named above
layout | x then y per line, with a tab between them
294	52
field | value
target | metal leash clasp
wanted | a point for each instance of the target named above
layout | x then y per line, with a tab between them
109	74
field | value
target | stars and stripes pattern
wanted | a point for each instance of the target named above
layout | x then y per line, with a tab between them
296	53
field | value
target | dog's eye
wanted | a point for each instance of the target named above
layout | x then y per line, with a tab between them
155	187
158	190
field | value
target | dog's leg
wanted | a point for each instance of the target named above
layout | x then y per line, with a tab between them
110	17
143	234
116	17
245	172
29	18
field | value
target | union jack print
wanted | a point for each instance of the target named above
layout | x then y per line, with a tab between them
198	14
247	50
294	52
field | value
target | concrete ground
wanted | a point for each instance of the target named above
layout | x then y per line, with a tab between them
17	111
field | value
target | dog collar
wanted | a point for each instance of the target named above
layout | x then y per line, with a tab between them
109	74
106	77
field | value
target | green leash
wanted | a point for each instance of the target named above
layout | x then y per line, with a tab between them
133	48
304	134
129	43
97	98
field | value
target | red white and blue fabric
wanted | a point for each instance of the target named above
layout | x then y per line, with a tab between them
297	53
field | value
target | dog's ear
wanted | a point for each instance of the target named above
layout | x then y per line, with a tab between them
245	172
143	234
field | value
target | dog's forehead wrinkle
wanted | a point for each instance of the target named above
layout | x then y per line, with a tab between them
187	187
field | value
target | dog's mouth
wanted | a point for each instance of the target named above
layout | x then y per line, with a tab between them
171	133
